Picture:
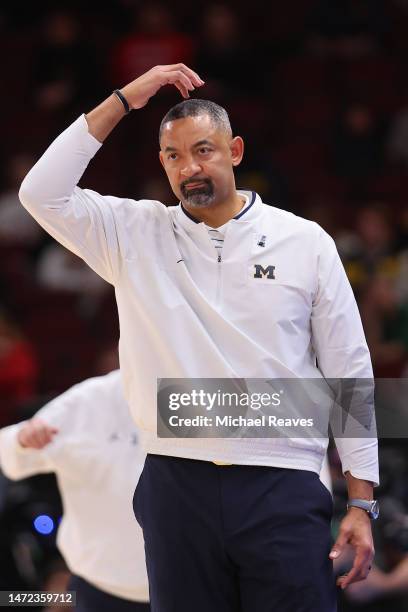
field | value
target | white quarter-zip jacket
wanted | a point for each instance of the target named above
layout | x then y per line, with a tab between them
97	459
186	313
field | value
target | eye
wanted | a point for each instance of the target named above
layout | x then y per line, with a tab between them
172	156
204	150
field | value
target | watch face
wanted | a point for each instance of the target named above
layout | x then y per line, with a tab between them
375	510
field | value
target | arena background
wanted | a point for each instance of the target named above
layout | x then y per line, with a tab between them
318	89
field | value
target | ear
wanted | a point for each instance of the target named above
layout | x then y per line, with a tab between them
237	150
161	158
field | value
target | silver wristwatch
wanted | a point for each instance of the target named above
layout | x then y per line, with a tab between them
372	507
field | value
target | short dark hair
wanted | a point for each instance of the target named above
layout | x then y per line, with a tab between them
194	107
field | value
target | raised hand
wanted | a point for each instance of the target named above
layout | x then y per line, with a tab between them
139	91
102	119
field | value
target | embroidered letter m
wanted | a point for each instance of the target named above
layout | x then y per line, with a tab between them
260	271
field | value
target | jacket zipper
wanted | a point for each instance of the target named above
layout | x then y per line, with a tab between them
218	293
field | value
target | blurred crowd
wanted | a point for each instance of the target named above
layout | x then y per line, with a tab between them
318	90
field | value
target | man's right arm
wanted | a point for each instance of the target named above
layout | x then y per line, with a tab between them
107	115
80	219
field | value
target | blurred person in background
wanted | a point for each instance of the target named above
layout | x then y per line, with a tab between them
397	138
17	228
18	369
153	39
358	143
348	29
386	324
87	438
371	246
59	76
61	270
223	51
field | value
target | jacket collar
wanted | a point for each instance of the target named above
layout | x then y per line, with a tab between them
248	213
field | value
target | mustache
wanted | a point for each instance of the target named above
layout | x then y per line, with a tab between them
191	181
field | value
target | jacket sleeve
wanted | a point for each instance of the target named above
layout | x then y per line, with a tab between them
80	219
61	412
17	462
342	353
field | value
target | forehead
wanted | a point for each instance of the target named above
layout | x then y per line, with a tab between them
187	131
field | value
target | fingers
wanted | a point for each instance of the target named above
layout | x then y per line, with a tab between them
361	566
36	434
339	544
362	561
183	83
189	73
182	90
182	77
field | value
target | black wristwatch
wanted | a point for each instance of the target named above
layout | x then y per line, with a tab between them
372	507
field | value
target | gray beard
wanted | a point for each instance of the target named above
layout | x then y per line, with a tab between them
200	197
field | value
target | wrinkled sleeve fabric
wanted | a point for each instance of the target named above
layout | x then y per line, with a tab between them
342	352
80	219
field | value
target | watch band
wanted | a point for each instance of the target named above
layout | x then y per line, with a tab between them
370	506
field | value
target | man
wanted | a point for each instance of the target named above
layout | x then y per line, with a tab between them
221	286
86	436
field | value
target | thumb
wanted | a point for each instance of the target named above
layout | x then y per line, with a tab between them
338	546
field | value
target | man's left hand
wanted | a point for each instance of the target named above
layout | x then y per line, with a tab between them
372	588
355	529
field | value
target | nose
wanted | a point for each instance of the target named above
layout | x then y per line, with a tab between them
190	168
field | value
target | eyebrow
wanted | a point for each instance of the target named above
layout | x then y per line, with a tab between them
199	143
202	142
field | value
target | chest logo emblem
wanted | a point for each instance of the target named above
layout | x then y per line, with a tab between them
261	272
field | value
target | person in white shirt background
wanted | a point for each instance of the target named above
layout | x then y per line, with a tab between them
190	310
87	438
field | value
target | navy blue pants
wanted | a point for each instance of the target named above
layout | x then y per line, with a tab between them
91	599
235	538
